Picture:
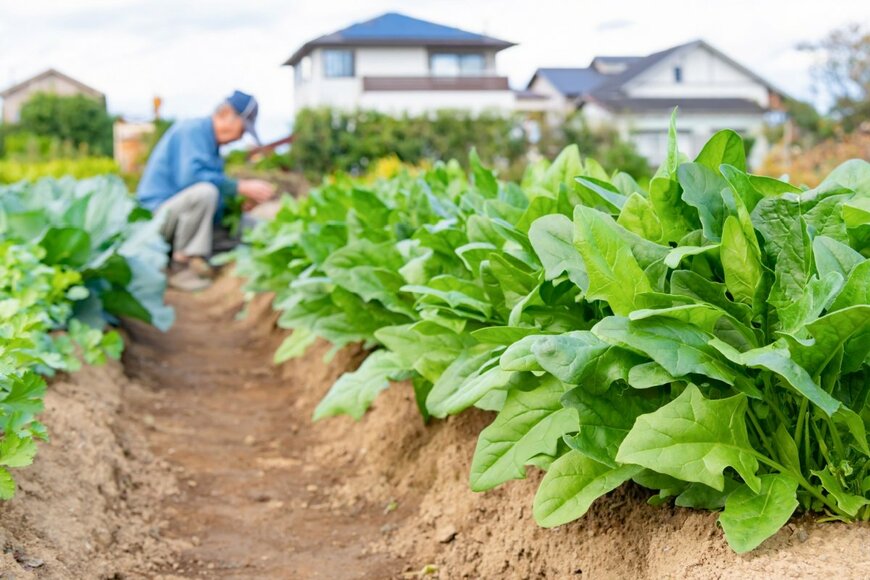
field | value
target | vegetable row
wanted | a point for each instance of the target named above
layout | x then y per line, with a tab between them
705	337
74	256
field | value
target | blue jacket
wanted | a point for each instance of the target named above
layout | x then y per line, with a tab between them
186	154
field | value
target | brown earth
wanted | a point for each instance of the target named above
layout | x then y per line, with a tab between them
262	492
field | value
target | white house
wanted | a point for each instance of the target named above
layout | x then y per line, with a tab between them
50	81
637	94
398	64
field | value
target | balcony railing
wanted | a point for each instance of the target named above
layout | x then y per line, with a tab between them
432	83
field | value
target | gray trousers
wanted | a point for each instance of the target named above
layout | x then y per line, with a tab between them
188	219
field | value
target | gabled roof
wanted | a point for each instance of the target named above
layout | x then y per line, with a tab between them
582	82
394	29
51	73
614	85
571	82
616	59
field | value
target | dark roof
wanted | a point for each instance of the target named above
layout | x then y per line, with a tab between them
394	29
614	83
719	105
571	82
50	73
581	82
616	59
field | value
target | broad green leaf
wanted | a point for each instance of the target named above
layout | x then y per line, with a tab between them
639	217
605	420
694	439
484	179
753	515
723	147
473	374
695	286
614	274
702	189
425	346
816	297
680	348
742	185
856	290
830	333
530	424
67	246
354	392
573	482
552	237
602	195
294	345
677	218
709	318
648	375
678	254
853	174
741	261
775	358
833	256
700	496
519	355
566	356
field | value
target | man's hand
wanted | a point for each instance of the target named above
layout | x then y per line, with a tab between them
256	190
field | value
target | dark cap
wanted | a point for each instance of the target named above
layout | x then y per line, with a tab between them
247	108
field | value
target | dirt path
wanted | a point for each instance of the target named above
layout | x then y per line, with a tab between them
251	505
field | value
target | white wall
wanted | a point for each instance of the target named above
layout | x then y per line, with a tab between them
347	93
649	132
392	62
704	75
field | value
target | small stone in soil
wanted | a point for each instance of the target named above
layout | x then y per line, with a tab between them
250	440
445	534
311	487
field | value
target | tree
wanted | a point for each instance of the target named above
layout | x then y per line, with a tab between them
844	73
76	119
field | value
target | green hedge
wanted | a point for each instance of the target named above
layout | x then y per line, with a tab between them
327	140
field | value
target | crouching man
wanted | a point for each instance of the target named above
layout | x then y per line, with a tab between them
184	185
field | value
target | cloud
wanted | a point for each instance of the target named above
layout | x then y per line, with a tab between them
194	52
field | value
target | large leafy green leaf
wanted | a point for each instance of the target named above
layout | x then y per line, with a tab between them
694	439
572	483
614	274
530	424
752	516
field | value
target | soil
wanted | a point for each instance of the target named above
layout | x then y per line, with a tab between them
202	462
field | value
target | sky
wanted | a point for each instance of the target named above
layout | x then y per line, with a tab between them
193	53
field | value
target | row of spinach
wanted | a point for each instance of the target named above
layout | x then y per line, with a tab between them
706	337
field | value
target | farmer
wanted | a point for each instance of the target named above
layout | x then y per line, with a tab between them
184	185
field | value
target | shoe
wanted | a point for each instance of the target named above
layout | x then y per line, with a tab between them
201	267
187	280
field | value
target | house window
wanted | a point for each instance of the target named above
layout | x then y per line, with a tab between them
678	74
338	63
446	64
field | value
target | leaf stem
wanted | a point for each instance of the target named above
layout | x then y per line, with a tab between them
801	481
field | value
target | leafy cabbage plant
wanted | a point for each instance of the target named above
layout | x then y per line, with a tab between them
72	256
705	337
